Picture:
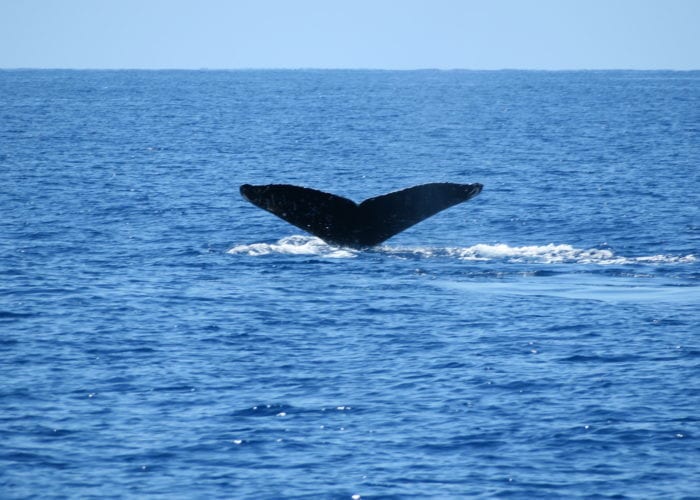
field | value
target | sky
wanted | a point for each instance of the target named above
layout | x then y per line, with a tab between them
371	34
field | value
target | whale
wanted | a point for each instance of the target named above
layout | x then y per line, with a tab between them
342	222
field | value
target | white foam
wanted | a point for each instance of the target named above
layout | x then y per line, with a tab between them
549	254
295	245
545	254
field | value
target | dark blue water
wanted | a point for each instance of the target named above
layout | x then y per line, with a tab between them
162	338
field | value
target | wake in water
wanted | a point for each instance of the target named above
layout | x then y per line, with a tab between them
545	254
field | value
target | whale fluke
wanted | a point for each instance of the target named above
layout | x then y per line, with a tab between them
343	222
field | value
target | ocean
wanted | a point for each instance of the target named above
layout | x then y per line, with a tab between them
161	337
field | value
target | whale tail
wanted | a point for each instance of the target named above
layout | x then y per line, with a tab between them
343	222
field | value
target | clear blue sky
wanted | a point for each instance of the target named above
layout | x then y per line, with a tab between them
389	34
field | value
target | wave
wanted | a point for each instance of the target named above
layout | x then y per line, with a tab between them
500	252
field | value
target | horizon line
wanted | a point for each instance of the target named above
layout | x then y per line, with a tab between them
312	68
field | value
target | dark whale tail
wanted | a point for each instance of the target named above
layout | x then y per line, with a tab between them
341	221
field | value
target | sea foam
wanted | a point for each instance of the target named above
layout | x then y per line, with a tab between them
500	252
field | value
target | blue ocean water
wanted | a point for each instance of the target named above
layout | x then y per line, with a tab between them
162	338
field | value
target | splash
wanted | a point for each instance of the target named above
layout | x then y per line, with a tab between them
544	254
295	245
